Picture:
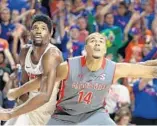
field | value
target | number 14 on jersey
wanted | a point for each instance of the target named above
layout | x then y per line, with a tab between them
85	97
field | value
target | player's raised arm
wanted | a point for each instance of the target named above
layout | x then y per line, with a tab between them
135	71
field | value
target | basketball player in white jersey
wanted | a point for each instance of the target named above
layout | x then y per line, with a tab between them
86	80
38	60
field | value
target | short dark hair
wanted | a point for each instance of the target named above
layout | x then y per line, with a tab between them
44	18
109	13
123	4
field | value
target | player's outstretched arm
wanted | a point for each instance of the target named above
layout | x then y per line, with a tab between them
27	87
50	61
34	84
135	71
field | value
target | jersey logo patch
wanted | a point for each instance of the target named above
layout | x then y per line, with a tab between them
80	76
28	67
102	76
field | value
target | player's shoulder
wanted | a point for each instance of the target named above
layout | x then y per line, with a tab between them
64	64
53	53
53	49
62	71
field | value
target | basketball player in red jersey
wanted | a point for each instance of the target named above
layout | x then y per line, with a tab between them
86	83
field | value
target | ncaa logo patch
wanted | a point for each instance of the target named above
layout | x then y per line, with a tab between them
102	76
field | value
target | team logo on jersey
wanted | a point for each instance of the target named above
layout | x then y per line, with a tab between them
31	76
102	76
80	76
28	67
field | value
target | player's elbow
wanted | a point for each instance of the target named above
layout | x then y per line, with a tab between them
46	98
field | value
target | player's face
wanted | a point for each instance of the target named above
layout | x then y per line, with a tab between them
40	33
96	46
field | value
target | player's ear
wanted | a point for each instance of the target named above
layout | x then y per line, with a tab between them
85	47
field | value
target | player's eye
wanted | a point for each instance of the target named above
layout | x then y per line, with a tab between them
92	41
44	28
101	41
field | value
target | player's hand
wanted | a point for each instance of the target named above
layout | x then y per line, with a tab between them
12	94
5	114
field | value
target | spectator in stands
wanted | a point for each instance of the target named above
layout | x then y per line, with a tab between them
4	77
123	116
78	8
6	26
145	110
133	50
122	17
118	95
108	22
70	45
5	48
82	23
149	17
154	29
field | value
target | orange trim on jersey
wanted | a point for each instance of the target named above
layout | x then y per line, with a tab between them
68	70
61	91
83	62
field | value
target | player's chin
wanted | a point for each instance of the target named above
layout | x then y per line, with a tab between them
96	56
37	44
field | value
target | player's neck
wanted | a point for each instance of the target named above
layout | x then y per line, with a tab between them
94	64
38	51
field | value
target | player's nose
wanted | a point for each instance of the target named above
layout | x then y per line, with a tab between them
97	43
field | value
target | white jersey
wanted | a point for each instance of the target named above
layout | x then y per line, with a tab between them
35	69
41	115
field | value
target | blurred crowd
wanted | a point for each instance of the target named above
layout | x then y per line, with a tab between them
130	28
